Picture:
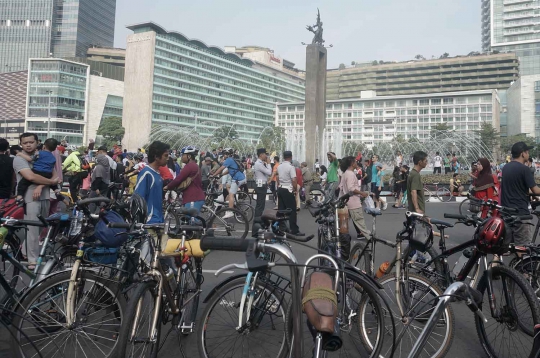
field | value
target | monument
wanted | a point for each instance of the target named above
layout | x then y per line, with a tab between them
315	103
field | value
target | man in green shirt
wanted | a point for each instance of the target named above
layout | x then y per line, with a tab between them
415	188
332	176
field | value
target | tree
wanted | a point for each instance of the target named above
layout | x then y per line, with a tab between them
112	131
375	63
489	136
272	139
419	57
399	139
414	140
225	133
445	55
353	63
351	148
341	66
508	142
439	130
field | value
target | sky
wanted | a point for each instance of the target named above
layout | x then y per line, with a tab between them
359	30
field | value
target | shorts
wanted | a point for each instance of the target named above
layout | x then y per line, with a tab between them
226	180
235	184
523	232
375	190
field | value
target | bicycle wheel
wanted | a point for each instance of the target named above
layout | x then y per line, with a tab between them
356	290
261	335
190	285
464	207
247	209
316	195
12	247
444	194
243	197
427	195
100	312
224	223
135	339
529	267
361	258
510	335
419	296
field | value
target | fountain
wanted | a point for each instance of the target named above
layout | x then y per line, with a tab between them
332	141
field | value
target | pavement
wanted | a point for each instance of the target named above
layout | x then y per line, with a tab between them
465	343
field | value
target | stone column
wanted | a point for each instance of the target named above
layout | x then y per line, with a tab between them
315	115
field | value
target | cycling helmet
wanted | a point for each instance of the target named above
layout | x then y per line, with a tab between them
189	150
138	209
138	157
493	236
228	151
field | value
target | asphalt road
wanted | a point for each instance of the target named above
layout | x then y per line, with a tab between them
465	344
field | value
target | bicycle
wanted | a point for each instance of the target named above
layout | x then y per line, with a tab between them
224	300
442	193
162	294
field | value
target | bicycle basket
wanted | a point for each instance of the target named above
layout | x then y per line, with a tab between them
420	235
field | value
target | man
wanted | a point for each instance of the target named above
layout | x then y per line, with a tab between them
531	165
515	189
447	161
454	163
287	188
205	172
437	163
366	179
332	176
374	171
36	197
193	194
415	188
149	183
349	183
273	178
261	172
307	175
237	176
7	175
73	167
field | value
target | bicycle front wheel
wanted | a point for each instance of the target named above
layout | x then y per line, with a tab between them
100	312
262	334
247	209
225	223
419	297
361	258
135	339
529	267
510	334
444	194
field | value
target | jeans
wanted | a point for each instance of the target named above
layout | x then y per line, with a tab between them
33	209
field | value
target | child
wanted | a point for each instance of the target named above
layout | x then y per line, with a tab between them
44	163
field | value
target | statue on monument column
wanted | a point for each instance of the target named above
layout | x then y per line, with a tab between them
317	30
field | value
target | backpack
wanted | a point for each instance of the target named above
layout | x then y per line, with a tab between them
240	166
84	163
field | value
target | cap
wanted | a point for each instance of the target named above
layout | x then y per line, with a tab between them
378	164
287	154
261	151
519	148
103	148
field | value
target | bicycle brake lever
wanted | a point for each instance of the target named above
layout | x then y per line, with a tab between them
243	266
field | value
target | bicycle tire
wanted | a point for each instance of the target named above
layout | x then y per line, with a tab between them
316	195
358	290
190	285
227	298
246	209
529	267
124	338
427	195
37	312
405	345
463	207
361	262
231	225
525	341
10	272
445	196
243	197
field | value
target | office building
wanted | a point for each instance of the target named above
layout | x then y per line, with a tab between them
174	80
112	56
266	57
373	119
65	101
513	26
524	106
45	28
12	104
466	73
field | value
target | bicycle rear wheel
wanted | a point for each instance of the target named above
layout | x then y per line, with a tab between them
261	335
511	334
529	267
444	194
135	338
243	197
427	195
225	223
361	258
247	209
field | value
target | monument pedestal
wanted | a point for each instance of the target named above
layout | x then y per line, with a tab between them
315	110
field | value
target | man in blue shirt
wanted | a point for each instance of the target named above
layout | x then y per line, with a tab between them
237	175
149	183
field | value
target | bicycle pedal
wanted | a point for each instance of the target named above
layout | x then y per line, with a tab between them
187	328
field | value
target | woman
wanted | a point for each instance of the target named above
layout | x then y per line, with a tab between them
100	176
324	174
397	187
484	185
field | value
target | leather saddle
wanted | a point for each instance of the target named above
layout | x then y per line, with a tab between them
321	312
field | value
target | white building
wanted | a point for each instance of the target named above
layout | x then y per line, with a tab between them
524	106
372	120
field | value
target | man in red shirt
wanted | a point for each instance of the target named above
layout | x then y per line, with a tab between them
300	183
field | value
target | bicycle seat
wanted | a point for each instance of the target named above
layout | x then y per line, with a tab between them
99	199
57	217
187	211
373	211
441	224
269	215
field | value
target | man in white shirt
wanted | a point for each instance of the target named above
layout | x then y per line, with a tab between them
437	163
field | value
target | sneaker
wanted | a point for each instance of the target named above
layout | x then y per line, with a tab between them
385	205
227	215
360	237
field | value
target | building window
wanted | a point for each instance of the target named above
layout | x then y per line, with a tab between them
537	86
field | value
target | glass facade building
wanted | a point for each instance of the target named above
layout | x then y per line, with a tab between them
537	109
513	26
65	28
57	95
379	119
190	84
